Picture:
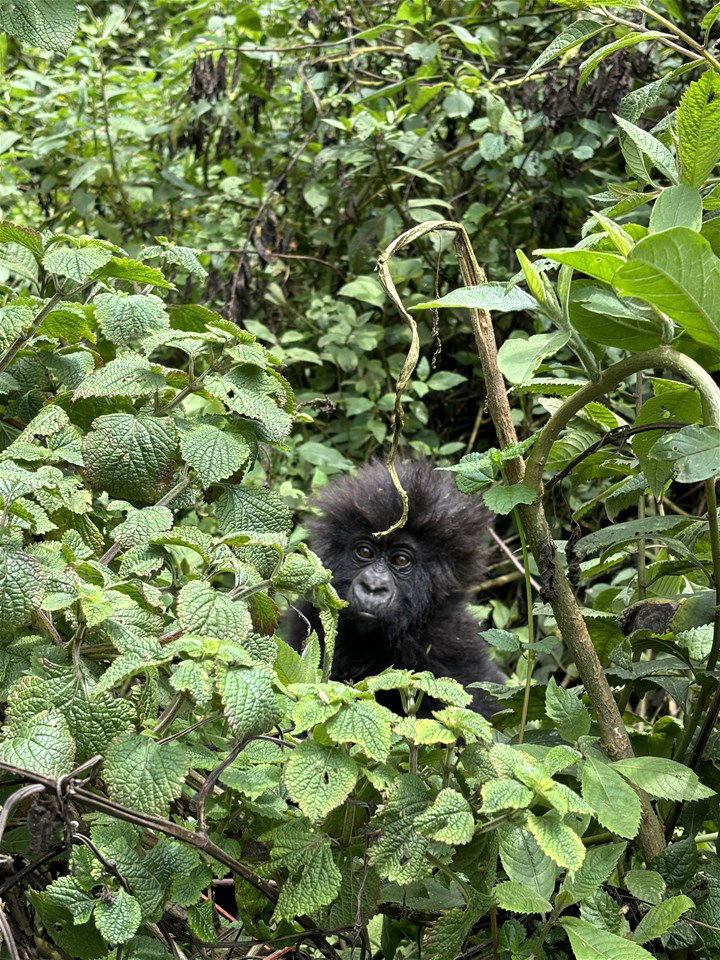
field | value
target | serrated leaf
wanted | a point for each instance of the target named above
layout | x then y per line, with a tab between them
616	805
607	50
442	688
505	497
519	898
567	710
27	237
663	778
140	526
627	532
76	263
399	851
50	24
203	610
21	587
313	877
66	892
125	318
557	840
123	268
365	723
573	36
214	454
243	509
697	123
524	861
590	942
448	819
130	375
678	206
519	358
505	794
250	703
648	145
645	885
598	865
42	743
319	778
488	296
118	917
144	774
694	450
660	918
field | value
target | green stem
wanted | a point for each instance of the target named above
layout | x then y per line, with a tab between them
531	628
681	35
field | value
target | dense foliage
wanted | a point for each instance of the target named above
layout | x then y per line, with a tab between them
159	426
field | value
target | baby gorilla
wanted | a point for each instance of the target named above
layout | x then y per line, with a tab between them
406	592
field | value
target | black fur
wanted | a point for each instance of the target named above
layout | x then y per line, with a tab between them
424	624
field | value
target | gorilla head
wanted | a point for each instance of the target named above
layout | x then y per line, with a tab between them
405	591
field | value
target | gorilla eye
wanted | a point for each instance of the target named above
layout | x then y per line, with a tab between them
401	561
364	551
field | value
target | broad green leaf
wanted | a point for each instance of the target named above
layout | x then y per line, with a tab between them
591	942
123	268
697	122
573	36
313	879
365	723
124	318
21	587
366	289
595	263
678	206
42	743
519	358
569	713
709	19
505	794
616	805
524	861
677	864
130	457
145	775
677	272
214	454
694	450
250	392
602	53
129	375
599	863
14	233
628	532
660	918
448	819
557	840
76	263
518	898
140	526
319	778
66	892
505	497
50	24
656	151
646	885
399	851
488	296
118	917
247	695
598	314
663	778
80	940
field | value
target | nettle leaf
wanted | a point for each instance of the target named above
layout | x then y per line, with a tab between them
42	743
126	318
646	885
313	879
628	532
448	819
50	24
660	918
505	497
203	610
252	393
131	457
144	774
214	454
616	805
25	236
67	893
679	206
592	942
677	272
694	450
557	840
245	508
524	861
21	587
597	867
505	794
663	778
399	851
518	898
519	358
250	703
365	723
130	375
569	713
141	526
76	263
487	296
118	917
697	122
319	777
573	36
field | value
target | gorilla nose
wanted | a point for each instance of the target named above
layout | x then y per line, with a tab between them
373	590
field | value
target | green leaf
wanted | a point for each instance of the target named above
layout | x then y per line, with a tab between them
591	942
557	840
365	723
399	851
366	289
130	457
678	206
448	819
663	778
598	865
505	497
42	743
214	454
141	526
628	532
573	36
25	236
250	703
524	861
595	263
601	316
677	272
319	778
124	318
660	918
77	263
203	610
123	268
50	24
313	879
518	898
488	296
505	794
602	53
616	805
566	709
697	122
21	587
118	917
519	358
651	147
144	774
694	450
66	892
130	375
645	885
